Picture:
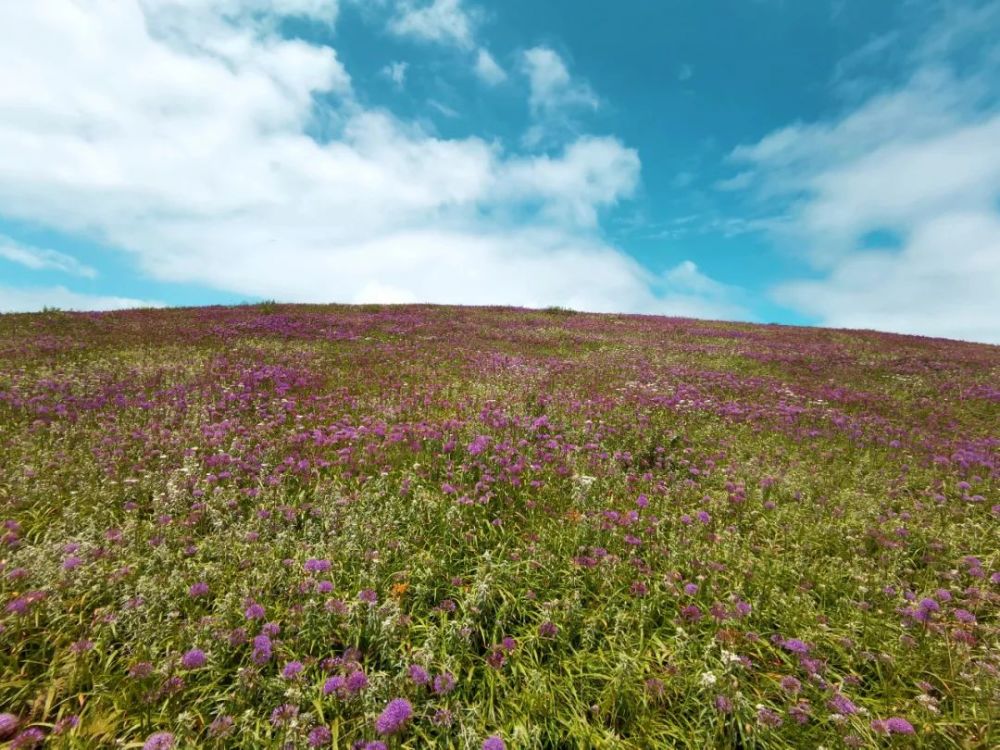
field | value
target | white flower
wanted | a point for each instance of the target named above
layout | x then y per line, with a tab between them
708	679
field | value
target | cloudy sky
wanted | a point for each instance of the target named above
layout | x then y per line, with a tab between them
834	162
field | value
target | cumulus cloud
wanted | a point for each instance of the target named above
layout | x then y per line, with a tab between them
185	144
396	72
487	68
41	259
32	299
552	86
919	159
440	21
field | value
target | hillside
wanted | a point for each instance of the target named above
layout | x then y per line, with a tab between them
292	526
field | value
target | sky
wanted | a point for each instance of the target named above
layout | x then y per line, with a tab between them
830	162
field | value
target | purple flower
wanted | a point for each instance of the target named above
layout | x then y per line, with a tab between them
159	741
964	615
140	670
284	714
769	718
291	670
444	683
494	743
841	704
8	725
32	737
723	704
193	659
72	562
271	630
508	644
790	685
795	646
198	589
368	596
319	736
478	445
254	611
800	712
261	650
548	630
333	685
394	716
221	727
691	613
356	681
894	725
313	565
419	675
690	589
65	724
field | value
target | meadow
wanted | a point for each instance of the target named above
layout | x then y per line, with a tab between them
409	527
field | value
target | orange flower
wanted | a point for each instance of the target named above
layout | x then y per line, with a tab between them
398	589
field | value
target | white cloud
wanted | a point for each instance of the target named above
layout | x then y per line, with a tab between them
40	259
695	295
396	72
944	282
487	68
441	21
185	145
552	87
919	159
33	299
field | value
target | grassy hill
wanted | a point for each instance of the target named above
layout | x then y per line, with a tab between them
257	526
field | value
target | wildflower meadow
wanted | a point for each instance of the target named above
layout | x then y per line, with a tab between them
270	526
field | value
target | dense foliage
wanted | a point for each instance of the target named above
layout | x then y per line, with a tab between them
290	526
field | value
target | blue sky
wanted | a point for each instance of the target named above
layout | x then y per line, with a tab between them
834	162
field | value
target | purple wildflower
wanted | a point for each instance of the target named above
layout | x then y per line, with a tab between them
768	718
261	650
795	646
312	565
494	743
159	741
8	725
254	611
444	683
894	725
841	704
32	737
291	670
356	681
419	675
394	716
319	736
333	685
548	630
284	714
790	685
221	726
193	659
723	704
198	589
65	724
368	596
